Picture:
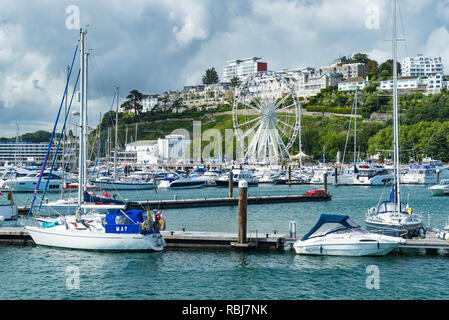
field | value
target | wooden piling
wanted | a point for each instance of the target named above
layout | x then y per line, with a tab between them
325	182
231	185
242	211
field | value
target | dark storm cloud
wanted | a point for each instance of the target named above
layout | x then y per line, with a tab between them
154	46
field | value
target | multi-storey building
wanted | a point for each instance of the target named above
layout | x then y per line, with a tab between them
421	66
24	152
149	101
310	83
353	84
242	68
207	96
349	70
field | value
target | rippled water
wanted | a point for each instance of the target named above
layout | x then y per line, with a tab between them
43	273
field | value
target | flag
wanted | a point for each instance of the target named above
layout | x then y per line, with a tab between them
392	194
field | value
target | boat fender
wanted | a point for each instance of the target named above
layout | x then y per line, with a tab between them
378	245
321	248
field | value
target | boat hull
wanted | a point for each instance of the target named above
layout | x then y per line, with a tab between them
223	183
339	249
394	230
124	186
89	240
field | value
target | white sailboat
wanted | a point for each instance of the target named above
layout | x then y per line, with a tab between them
118	230
393	217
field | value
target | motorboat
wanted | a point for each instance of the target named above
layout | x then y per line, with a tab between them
237	175
318	175
210	177
28	183
339	235
176	181
424	174
441	189
365	175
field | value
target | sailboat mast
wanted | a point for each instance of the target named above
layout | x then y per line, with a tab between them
81	136
397	193
86	59
116	136
355	127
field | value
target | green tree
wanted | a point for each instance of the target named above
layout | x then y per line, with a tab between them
210	77
134	102
235	81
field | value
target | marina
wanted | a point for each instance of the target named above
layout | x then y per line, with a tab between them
311	182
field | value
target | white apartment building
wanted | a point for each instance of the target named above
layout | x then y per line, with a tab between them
174	148
242	68
310	83
149	101
23	152
353	84
421	66
432	84
147	151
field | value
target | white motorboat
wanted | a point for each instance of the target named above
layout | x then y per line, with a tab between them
210	177
424	174
338	235
176	181
441	189
28	183
318	175
237	175
367	175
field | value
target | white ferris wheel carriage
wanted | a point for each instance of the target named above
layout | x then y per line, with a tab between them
266	117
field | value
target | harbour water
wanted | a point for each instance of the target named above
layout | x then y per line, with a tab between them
182	274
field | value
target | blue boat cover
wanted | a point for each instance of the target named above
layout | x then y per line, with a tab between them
332	218
135	215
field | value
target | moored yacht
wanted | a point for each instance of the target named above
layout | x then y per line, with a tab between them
339	235
28	183
176	181
237	175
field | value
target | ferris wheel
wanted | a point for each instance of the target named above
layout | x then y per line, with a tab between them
266	117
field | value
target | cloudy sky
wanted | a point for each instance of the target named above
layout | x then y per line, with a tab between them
156	45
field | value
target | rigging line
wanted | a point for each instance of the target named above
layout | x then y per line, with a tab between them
403	28
60	139
347	133
53	133
104	133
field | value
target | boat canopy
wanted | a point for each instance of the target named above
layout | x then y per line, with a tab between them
329	223
118	221
388	206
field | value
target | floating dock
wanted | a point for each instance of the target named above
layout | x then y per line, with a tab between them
256	241
219	202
